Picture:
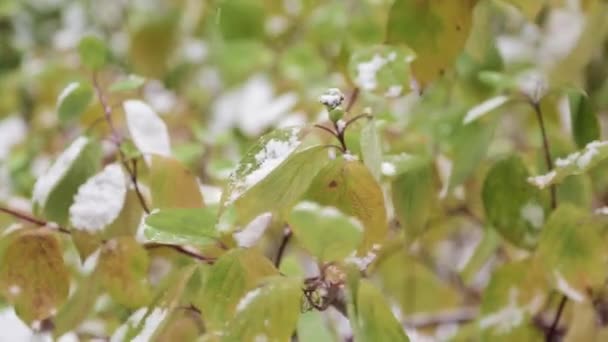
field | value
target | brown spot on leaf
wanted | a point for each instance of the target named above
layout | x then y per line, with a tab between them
333	184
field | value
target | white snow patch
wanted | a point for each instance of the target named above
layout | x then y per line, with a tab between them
67	91
484	108
349	156
542	181
47	182
12	132
394	91
332	98
511	316
388	169
601	211
252	108
247	299
567	289
150	325
13	328
99	200
14	290
148	131
267	159
364	261
366	72
533	214
212	194
249	236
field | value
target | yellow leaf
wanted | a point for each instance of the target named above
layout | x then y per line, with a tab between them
173	185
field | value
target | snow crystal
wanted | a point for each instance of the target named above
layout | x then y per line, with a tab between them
542	181
332	98
388	169
601	211
12	132
363	262
247	299
533	214
484	108
366	72
267	159
148	131
249	236
394	90
567	289
66	91
47	182
99	200
14	290
341	124
349	156
507	318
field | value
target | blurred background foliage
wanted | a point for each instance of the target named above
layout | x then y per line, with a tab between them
223	72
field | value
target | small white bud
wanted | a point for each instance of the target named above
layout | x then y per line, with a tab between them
332	98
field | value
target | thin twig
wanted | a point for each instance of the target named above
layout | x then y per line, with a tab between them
558	315
354	119
181	250
287	234
352	100
553	190
329	130
32	219
547	150
133	174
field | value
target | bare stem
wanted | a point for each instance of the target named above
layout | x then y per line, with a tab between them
31	219
546	150
287	234
181	250
558	315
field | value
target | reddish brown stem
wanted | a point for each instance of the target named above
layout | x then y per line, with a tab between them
32	219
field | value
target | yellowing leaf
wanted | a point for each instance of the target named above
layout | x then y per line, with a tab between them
173	185
436	30
229	279
349	186
33	276
128	220
571	251
123	269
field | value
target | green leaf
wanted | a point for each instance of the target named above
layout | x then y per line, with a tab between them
93	52
33	276
585	124
513	206
371	317
182	226
80	303
241	19
73	101
54	191
571	252
574	164
326	233
436	30
132	82
516	292
469	146
276	162
269	313
172	185
123	269
229	279
382	69
371	149
349	186
414	194
313	327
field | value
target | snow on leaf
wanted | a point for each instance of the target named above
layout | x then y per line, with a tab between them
248	298
567	289
484	108
249	236
573	164
51	178
99	200
273	152
148	131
